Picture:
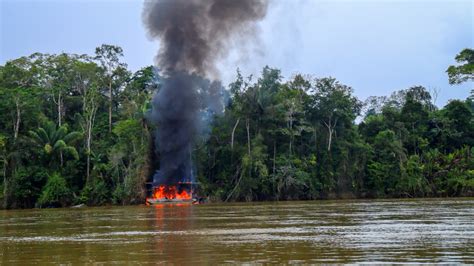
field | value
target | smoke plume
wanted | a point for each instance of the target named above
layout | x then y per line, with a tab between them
193	35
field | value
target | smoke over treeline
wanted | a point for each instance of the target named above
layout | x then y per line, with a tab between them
193	35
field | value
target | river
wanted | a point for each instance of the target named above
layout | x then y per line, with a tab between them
349	231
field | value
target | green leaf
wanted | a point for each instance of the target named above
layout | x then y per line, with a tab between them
59	145
59	133
43	135
36	138
72	152
72	137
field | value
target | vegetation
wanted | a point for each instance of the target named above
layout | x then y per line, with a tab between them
74	129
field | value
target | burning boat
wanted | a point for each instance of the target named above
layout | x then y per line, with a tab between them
178	193
161	190
193	36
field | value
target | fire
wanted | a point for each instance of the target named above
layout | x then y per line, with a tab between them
164	192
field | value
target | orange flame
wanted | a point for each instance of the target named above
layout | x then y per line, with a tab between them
170	193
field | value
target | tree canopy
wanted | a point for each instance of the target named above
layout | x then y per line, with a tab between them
74	129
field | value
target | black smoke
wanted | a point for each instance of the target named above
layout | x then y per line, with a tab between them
193	35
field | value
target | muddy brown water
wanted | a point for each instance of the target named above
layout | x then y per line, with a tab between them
425	230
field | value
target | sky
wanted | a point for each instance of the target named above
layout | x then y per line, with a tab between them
376	46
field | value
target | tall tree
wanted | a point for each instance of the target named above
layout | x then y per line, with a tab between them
334	105
464	71
59	78
460	121
86	81
415	114
115	71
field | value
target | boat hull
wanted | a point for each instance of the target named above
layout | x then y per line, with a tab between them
167	201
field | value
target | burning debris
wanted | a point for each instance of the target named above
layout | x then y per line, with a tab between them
193	35
169	192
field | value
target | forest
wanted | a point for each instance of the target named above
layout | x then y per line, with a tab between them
74	130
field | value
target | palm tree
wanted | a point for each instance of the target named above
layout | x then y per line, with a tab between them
56	142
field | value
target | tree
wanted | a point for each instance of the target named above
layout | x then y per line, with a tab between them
386	163
459	119
334	105
55	192
59	71
54	141
415	114
412	182
19	92
277	138
464	71
127	161
291	101
86	81
115	71
252	173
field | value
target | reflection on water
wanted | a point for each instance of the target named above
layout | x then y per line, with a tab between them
430	230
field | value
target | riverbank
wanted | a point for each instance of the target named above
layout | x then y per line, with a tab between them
210	201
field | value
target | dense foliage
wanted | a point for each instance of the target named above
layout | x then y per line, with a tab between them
74	129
